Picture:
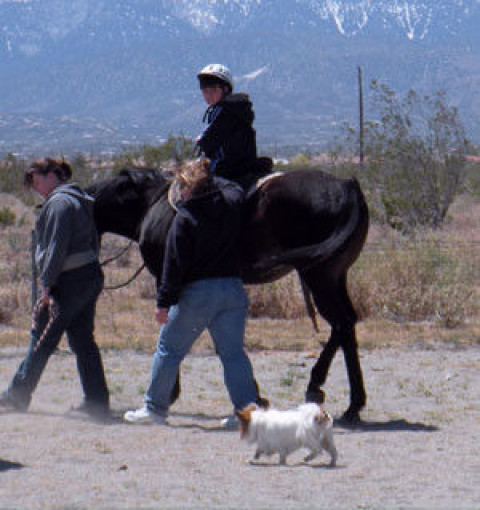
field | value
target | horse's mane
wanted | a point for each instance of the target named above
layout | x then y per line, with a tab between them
148	176
137	174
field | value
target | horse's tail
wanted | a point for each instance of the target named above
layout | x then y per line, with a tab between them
355	227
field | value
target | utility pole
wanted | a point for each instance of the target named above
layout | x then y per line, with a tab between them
360	106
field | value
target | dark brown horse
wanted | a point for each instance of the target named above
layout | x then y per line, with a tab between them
305	220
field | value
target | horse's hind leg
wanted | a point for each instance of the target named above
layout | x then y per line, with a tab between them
176	389
334	305
320	370
358	396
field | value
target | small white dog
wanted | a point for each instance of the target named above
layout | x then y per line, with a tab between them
307	426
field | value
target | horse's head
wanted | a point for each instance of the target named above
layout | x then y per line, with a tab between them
122	201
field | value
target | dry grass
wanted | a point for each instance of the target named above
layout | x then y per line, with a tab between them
405	292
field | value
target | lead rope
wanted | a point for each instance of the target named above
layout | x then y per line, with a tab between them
53	313
114	257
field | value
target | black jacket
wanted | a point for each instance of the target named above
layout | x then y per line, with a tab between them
203	241
229	140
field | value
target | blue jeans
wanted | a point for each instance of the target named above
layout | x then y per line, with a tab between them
220	306
76	295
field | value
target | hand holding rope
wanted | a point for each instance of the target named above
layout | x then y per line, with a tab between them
44	301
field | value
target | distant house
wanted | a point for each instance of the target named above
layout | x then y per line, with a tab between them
473	159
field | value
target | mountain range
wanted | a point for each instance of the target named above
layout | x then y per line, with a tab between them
99	75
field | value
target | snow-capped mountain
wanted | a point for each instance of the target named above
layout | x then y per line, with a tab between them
87	73
414	18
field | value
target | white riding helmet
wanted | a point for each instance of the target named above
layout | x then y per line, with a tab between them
217	72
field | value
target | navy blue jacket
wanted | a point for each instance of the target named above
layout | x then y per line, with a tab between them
229	140
203	240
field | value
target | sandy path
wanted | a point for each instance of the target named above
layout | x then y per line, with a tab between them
418	447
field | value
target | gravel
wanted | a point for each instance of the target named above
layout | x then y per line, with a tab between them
417	446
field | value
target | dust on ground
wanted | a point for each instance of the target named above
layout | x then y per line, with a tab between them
417	447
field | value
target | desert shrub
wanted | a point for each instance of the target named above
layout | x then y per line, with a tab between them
82	174
415	281
472	181
17	265
148	287
11	174
415	158
397	279
7	217
281	299
9	304
300	160
176	148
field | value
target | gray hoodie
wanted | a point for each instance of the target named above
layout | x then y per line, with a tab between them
65	232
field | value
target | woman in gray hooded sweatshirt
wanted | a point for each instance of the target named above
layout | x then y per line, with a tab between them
71	281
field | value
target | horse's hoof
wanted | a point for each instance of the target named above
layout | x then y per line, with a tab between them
316	396
350	417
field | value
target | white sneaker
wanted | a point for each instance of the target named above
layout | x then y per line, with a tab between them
144	415
230	423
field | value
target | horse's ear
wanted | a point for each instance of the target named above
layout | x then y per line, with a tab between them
133	174
124	172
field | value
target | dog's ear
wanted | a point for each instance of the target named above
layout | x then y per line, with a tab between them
245	417
246	413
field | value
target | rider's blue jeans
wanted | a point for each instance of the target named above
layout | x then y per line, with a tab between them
76	295
220	306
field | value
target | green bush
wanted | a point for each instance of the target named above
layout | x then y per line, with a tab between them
175	148
472	180
415	161
11	174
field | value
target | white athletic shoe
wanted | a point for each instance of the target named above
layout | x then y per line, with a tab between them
144	415
230	423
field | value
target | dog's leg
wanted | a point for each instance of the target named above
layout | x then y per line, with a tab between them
258	453
311	455
329	446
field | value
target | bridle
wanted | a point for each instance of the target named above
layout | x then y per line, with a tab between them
152	202
115	257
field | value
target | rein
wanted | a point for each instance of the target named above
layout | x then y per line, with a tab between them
118	255
130	280
115	257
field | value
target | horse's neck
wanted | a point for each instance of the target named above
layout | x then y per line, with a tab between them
155	201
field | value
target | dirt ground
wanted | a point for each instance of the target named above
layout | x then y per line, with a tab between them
417	447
